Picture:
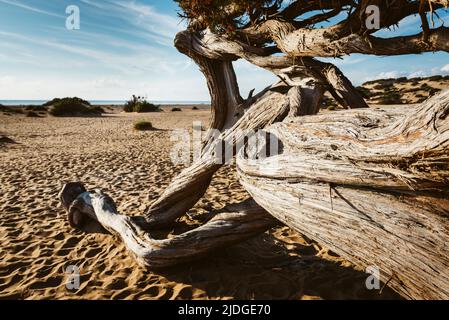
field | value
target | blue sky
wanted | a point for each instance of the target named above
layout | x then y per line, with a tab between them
125	47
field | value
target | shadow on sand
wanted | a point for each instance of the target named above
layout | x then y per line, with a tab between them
267	268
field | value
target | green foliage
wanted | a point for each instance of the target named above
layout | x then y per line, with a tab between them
143	126
227	15
66	100
391	97
425	86
6	140
32	114
98	109
140	104
72	107
36	108
433	91
10	110
365	93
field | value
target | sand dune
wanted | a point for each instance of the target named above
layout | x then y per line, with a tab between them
37	243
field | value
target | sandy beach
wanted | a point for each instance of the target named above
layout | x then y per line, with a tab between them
134	168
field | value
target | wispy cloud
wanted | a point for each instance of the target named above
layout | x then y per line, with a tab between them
140	58
94	4
30	8
147	18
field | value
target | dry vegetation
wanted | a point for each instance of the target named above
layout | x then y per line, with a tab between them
402	90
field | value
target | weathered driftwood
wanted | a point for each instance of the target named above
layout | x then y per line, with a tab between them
372	185
232	225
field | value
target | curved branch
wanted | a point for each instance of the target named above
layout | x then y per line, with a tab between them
326	43
234	224
213	46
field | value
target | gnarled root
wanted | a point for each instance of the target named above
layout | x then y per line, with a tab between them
232	225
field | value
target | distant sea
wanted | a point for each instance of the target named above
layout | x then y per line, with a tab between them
96	102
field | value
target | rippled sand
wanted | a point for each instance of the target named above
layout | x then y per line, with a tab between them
37	243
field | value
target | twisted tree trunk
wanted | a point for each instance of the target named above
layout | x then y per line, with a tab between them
372	185
231	225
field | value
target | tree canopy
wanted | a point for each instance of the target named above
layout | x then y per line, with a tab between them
326	28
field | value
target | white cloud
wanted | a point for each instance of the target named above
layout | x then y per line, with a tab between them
391	74
93	4
7	81
149	19
30	8
445	68
419	74
108	82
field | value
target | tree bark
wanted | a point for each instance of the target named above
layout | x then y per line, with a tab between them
233	224
372	185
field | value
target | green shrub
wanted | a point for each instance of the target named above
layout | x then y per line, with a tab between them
391	98
176	110
67	107
433	91
412	89
365	93
195	108
436	78
98	109
140	104
6	140
145	106
32	114
35	108
384	85
143	126
9	110
58	100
